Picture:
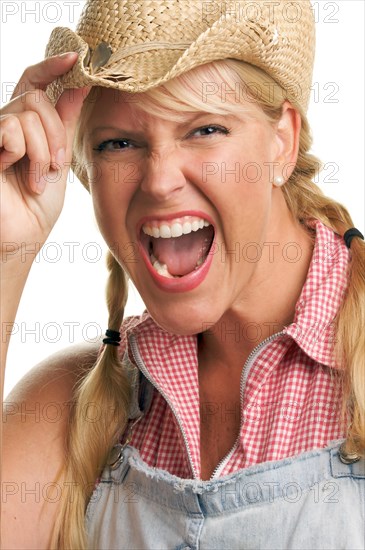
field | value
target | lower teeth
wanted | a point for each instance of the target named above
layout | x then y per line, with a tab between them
161	268
164	272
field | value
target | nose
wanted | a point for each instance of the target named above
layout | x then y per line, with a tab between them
163	176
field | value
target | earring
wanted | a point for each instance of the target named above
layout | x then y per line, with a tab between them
278	181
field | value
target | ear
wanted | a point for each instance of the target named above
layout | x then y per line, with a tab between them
287	137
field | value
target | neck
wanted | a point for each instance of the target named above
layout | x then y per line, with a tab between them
268	303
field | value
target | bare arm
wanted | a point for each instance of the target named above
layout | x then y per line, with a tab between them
35	423
36	140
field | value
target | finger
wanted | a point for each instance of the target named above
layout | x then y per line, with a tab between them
37	150
37	101
20	135
40	75
37	114
12	142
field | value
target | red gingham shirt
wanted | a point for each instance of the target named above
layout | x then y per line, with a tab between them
292	394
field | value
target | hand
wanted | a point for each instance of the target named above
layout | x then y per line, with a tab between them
35	153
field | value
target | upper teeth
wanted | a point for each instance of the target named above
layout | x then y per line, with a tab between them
174	228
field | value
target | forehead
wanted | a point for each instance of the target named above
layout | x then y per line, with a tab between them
215	88
110	102
109	105
115	109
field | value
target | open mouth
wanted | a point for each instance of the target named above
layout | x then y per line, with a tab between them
179	246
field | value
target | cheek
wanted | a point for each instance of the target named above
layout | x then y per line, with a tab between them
241	163
238	185
237	180
111	199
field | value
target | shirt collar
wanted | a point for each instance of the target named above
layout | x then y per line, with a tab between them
313	326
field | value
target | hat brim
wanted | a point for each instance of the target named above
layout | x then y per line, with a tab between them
275	46
138	71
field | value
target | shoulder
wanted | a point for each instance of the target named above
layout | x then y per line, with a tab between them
55	376
35	418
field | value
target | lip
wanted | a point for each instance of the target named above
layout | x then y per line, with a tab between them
187	282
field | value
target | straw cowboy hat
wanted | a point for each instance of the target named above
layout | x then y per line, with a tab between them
135	45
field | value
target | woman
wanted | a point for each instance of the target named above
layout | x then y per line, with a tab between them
204	420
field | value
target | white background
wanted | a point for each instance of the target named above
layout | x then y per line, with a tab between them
63	301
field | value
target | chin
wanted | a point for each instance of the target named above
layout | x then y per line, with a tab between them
184	319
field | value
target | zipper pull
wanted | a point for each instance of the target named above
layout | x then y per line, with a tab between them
116	456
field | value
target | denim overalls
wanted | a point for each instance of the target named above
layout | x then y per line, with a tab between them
312	501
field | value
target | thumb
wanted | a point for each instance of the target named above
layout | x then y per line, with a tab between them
69	108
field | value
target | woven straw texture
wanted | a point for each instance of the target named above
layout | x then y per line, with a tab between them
134	45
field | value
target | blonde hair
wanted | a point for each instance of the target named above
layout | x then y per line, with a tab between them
89	442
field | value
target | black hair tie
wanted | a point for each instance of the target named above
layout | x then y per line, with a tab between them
112	337
350	234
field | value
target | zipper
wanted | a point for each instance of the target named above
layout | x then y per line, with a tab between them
245	372
142	367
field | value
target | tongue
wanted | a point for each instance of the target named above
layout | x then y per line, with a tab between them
181	254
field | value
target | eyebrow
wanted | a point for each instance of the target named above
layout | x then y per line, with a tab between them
118	131
182	124
108	128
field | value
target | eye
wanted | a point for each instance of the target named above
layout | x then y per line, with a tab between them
114	145
209	130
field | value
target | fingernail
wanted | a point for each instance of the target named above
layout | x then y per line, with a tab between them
40	186
66	55
60	158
